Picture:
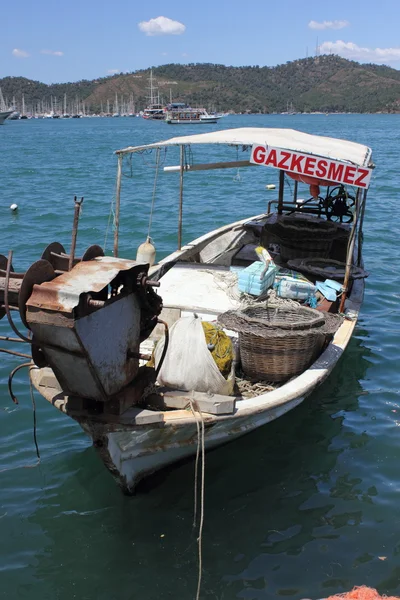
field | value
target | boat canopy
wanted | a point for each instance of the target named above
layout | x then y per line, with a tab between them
286	139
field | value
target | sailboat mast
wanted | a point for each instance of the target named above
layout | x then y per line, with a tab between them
151	87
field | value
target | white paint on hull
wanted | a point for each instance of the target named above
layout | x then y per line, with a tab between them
136	454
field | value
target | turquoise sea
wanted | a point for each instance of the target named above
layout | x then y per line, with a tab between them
306	506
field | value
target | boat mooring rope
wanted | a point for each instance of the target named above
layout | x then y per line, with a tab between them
200	446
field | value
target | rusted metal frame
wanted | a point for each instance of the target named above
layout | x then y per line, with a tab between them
360	229
117	203
6	338
15	353
6	305
77	212
350	252
45	345
182	158
11	307
281	191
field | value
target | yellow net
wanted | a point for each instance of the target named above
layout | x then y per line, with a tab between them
220	346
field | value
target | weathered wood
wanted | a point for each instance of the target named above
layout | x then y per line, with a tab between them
48	379
213	404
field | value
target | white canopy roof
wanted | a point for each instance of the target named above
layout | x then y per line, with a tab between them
288	139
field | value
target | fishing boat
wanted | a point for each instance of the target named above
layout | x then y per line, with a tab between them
121	345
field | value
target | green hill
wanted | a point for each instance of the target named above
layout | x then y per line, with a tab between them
324	83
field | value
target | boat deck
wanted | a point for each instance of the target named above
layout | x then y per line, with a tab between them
208	290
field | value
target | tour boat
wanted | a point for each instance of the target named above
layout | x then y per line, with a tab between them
185	115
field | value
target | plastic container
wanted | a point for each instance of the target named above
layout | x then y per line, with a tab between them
294	289
249	279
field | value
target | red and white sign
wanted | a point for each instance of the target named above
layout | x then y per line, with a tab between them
323	169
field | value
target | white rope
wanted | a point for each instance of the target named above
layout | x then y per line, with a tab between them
196	465
200	443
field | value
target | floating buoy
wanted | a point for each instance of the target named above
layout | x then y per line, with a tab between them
14	207
270	186
146	253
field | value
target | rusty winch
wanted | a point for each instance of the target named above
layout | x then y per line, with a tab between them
87	317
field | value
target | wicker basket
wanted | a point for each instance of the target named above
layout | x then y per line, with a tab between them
301	238
277	343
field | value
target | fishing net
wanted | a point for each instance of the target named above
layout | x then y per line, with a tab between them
220	346
362	593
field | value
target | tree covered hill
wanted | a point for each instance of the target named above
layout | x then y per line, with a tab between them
323	83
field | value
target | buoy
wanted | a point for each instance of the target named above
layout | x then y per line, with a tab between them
270	186
146	253
14	207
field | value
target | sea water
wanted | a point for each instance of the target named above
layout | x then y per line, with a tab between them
305	506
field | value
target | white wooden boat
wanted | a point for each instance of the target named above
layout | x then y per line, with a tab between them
138	436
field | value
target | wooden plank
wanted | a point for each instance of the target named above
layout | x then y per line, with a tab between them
213	404
48	379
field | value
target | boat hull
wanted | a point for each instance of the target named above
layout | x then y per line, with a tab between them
191	121
132	455
5	115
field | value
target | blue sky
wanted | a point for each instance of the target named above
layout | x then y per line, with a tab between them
71	40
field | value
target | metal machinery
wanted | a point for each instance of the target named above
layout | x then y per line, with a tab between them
87	317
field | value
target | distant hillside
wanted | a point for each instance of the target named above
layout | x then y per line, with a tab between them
324	83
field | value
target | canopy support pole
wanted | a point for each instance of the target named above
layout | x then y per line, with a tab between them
350	252
281	189
360	229
182	157
117	204
296	185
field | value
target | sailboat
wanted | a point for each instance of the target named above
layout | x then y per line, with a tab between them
65	114
155	110
116	109
289	109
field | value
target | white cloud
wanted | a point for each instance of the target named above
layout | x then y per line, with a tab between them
162	26
328	24
113	71
164	53
52	52
18	53
351	50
